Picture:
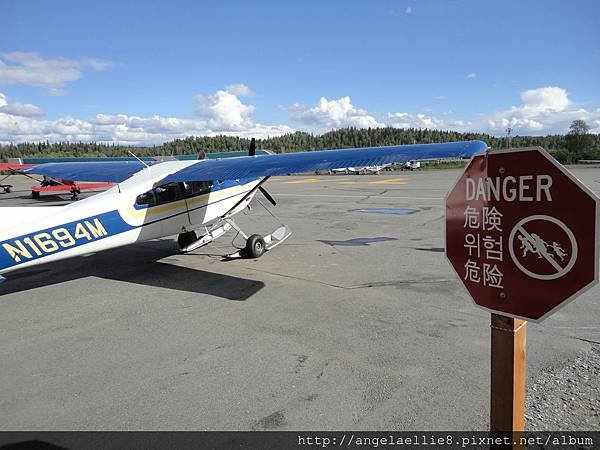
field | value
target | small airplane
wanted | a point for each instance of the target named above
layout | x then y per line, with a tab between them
361	170
47	185
151	200
412	165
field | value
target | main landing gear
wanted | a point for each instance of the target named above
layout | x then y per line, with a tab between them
256	245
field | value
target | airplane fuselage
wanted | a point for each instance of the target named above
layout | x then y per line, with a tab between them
133	211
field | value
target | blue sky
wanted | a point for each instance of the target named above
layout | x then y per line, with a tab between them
146	72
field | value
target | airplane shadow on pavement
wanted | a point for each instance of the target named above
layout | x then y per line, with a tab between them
139	264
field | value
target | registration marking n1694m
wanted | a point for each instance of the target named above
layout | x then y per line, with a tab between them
42	243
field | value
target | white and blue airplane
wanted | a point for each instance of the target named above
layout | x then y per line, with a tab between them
150	201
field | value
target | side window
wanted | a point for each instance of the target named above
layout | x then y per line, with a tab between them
169	192
197	187
164	194
146	199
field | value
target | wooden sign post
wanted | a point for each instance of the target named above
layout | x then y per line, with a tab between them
507	402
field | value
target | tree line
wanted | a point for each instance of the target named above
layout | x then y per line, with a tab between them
578	144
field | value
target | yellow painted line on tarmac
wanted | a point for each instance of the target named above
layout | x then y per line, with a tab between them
303	181
313	180
390	181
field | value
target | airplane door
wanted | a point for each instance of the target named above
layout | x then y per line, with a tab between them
197	198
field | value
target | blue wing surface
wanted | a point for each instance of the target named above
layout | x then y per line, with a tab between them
263	165
109	171
298	162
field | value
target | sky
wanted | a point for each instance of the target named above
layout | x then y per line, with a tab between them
146	72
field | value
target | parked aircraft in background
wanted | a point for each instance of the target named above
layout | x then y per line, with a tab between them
183	198
46	184
412	165
362	170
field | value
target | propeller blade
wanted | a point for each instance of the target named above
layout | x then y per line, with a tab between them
267	195
252	150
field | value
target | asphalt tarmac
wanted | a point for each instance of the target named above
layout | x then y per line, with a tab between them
357	322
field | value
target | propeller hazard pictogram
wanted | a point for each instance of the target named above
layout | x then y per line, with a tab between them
543	247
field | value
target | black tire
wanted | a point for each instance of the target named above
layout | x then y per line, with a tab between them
255	246
185	239
35	194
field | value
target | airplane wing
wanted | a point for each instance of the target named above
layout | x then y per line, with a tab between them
109	171
14	167
263	165
281	164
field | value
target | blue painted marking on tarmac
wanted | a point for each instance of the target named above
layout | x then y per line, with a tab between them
396	211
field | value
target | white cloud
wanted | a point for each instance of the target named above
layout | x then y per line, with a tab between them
406	120
546	109
224	111
55	92
123	129
22	109
18	109
138	130
546	99
328	114
440	97
31	69
241	90
471	76
408	10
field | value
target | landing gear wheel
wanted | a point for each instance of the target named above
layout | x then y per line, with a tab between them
35	194
255	246
185	239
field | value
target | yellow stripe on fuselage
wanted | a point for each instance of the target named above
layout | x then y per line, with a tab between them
192	202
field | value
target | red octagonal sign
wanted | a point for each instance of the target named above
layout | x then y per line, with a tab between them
522	233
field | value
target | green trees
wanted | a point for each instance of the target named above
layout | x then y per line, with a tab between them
579	140
577	143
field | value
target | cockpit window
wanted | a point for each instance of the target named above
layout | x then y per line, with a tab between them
197	187
146	199
169	192
172	192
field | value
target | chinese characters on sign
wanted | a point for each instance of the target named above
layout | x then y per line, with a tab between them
483	242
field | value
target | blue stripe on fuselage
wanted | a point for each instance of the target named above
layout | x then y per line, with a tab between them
56	239
38	244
